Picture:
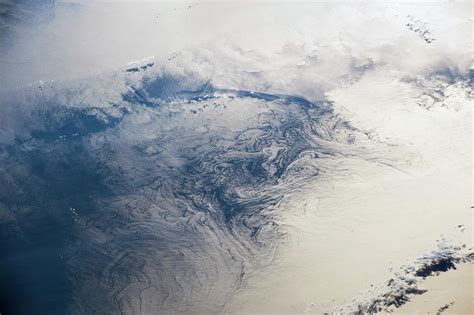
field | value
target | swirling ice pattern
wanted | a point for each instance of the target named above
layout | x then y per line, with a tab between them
166	206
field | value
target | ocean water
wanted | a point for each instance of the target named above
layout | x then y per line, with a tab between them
166	201
254	165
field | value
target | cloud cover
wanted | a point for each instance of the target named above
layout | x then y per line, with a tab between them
167	183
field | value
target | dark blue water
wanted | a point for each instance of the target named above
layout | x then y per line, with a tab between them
154	207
